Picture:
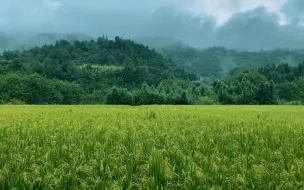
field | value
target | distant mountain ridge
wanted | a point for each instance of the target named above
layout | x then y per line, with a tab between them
219	61
205	62
22	42
50	38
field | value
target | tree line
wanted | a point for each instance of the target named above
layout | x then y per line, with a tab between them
121	71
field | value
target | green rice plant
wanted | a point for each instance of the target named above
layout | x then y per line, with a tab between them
151	147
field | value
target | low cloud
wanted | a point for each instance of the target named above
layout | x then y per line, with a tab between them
294	10
240	24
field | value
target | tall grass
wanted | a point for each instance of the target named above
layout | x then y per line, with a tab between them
157	147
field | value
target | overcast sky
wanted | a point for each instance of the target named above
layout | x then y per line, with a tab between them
232	23
44	10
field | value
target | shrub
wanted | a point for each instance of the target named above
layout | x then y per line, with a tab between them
149	97
15	102
206	100
119	96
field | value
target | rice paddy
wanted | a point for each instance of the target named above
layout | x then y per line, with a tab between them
151	147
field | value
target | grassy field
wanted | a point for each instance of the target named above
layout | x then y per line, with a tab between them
156	147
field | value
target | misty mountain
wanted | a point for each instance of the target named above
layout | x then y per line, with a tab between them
160	42
216	62
209	62
50	38
7	42
23	42
258	29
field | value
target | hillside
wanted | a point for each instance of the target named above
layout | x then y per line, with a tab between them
64	55
219	61
209	62
86	68
122	71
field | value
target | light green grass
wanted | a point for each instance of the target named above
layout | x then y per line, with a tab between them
151	147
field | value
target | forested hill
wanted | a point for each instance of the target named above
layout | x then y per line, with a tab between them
219	61
119	61
82	71
211	62
121	71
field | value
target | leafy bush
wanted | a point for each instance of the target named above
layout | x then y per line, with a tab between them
96	97
205	100
14	102
119	96
283	102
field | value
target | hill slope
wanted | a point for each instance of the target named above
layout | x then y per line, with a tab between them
73	72
64	59
219	61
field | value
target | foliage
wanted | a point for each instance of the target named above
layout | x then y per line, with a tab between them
288	91
206	100
168	92
218	61
246	88
96	97
83	60
34	89
119	96
87	72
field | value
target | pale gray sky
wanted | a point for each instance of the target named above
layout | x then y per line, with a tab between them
39	10
248	24
224	9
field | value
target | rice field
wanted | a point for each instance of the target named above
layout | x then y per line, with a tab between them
151	147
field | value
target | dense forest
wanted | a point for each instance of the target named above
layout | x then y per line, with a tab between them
219	61
121	71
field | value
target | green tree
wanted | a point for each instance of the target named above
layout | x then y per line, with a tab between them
119	96
300	84
288	91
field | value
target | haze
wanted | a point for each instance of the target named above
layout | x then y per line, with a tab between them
238	24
